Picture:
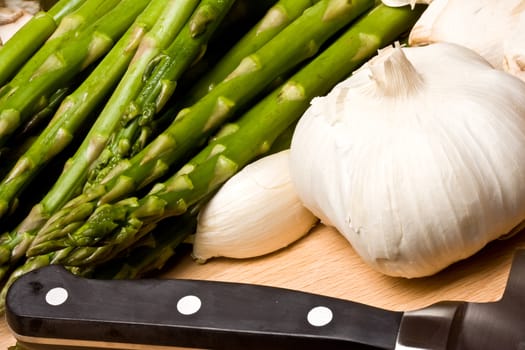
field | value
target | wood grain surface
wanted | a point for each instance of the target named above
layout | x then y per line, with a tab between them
324	263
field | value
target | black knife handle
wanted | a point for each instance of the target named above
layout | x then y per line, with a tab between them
50	303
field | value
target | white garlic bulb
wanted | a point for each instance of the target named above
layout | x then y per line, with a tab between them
255	212
494	29
418	159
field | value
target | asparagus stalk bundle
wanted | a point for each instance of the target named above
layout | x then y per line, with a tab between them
194	124
152	31
73	111
278	16
70	27
14	244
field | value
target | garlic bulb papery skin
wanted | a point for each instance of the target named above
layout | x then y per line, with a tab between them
486	26
254	213
418	158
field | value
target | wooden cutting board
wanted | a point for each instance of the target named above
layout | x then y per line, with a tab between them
324	263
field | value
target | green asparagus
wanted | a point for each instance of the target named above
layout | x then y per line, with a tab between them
94	88
62	66
193	125
114	227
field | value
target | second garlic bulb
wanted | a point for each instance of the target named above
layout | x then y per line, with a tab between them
494	29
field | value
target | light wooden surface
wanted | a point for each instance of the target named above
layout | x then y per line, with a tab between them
323	262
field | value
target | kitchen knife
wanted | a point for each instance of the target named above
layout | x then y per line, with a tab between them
51	309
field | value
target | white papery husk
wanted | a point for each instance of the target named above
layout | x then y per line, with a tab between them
256	212
418	165
492	28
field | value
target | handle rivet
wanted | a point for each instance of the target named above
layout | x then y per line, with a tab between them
56	296
320	316
189	305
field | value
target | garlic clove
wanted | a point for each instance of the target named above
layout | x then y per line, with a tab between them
255	212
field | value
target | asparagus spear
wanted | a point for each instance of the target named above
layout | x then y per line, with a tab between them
114	227
296	42
160	29
180	55
64	64
192	42
31	36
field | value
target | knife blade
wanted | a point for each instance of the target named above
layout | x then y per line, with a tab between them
49	308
